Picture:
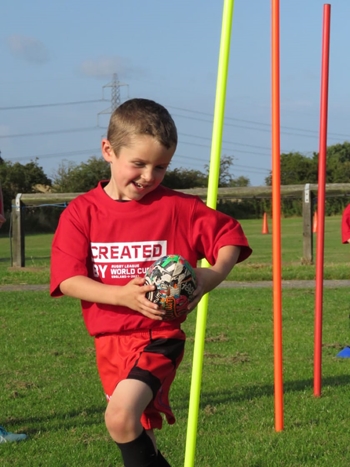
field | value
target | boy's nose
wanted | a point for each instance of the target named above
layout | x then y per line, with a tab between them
147	175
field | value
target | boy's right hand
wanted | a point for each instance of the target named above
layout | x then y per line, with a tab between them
133	295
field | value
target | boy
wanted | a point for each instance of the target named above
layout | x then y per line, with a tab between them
105	241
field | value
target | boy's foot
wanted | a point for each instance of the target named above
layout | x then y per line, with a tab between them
7	437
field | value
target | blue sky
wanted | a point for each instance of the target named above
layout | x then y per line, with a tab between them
65	52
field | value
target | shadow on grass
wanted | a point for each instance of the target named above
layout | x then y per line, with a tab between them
64	420
89	416
254	391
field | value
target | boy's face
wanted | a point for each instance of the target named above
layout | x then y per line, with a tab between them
137	169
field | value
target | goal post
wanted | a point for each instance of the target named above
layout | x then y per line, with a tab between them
307	194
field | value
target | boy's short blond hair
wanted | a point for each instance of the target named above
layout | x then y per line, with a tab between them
137	117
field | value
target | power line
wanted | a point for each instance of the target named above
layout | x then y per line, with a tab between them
56	104
208	118
251	122
267	130
226	149
226	142
332	136
52	132
62	155
259	170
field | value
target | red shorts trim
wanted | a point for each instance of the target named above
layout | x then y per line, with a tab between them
149	356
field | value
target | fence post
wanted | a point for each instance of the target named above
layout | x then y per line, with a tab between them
18	249
307	225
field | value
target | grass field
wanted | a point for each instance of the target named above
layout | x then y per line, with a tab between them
50	387
51	390
257	267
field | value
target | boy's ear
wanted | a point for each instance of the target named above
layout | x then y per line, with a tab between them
107	150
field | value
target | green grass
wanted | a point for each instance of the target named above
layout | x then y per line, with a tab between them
258	267
37	264
51	390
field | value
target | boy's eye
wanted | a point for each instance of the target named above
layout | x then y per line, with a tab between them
142	164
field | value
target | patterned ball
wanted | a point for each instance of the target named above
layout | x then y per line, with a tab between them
175	283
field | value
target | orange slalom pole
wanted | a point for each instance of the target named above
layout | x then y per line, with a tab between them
276	218
321	201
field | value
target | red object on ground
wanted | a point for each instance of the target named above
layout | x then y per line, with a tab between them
265	227
2	211
314	224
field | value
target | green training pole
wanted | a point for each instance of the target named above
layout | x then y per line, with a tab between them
214	172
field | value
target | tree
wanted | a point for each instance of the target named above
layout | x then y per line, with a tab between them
226	179
225	176
240	181
341	152
17	178
296	169
73	178
337	163
181	179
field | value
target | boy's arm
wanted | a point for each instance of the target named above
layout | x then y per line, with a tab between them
209	278
131	295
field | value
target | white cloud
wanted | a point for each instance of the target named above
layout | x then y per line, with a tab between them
28	48
104	67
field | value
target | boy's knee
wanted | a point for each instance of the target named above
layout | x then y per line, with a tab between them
122	424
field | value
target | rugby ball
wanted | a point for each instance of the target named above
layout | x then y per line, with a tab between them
175	282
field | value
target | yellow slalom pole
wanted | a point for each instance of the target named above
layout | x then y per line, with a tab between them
214	172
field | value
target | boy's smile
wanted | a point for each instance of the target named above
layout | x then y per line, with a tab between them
137	169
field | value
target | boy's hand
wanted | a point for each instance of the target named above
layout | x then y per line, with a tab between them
133	295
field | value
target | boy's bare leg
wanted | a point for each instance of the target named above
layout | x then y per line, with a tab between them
124	410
